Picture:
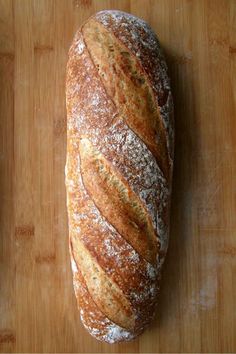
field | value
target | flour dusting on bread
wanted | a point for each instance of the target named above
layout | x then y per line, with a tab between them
94	116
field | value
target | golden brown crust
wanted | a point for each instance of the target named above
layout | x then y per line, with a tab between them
106	186
93	319
129	88
115	186
143	43
103	290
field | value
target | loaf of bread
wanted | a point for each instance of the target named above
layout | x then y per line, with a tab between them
118	172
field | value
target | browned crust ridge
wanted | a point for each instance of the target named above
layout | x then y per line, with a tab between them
114	241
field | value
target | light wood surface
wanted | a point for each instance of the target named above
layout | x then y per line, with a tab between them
197	305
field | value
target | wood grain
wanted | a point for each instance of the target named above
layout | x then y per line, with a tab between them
198	295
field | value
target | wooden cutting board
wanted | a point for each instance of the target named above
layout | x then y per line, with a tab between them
197	304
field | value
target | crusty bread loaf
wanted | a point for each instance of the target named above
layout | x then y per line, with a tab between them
118	172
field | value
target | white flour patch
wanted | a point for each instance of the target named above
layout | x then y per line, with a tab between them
205	297
116	333
134	256
79	47
74	266
151	271
111	333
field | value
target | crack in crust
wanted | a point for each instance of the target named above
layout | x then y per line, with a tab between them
102	235
128	87
95	321
136	278
127	215
143	43
104	292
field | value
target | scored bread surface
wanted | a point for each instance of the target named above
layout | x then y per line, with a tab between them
118	172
